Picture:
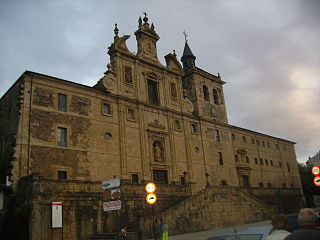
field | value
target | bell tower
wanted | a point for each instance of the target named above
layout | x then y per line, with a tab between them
147	40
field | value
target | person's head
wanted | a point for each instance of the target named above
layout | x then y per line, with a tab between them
306	216
279	221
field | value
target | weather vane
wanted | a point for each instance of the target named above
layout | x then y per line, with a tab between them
145	14
185	35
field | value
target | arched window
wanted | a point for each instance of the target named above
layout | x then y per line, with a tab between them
205	93
215	96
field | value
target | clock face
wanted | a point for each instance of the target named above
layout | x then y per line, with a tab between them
214	111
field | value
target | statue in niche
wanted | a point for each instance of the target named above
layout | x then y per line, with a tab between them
157	150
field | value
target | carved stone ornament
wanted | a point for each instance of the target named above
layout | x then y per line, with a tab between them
156	124
188	105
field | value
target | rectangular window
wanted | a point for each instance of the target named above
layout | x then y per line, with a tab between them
62	175
173	90
288	166
260	184
258	142
233	137
61	137
236	158
247	159
256	160
153	92
271	162
194	128
218	139
160	176
220	158
223	182
134	178
252	140
267	163
62	102
268	144
261	161
263	144
244	139
106	109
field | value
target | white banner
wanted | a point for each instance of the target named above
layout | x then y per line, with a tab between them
56	214
111	183
112	206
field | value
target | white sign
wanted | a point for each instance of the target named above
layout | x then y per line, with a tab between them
151	198
112	183
56	214
150	187
315	170
115	193
112	205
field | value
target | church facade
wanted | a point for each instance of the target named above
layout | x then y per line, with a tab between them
142	121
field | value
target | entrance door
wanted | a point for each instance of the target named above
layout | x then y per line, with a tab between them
160	176
245	181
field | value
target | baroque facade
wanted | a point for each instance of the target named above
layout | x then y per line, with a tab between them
141	122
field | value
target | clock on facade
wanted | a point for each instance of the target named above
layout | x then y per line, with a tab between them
214	111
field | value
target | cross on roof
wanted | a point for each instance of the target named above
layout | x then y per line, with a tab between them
185	35
145	14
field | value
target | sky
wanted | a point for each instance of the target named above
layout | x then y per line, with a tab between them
267	52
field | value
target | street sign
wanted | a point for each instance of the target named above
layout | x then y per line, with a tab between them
150	187
112	206
115	193
315	170
56	214
111	183
151	198
316	181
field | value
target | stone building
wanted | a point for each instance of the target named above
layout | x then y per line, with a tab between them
141	122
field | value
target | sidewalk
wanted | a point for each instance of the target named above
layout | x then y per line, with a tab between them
203	235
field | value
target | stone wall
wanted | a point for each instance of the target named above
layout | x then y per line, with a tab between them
216	207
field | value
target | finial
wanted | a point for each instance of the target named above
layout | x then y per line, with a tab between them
185	36
174	53
145	19
140	21
219	75
152	26
116	30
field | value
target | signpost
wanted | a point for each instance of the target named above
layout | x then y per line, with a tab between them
56	214
151	197
316	172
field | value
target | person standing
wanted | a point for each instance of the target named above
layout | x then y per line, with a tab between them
306	230
164	229
156	230
279	223
124	233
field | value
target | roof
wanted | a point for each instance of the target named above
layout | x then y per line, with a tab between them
187	52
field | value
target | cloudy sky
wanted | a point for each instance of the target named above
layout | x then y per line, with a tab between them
267	51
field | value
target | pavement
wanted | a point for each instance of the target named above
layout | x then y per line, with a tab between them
203	235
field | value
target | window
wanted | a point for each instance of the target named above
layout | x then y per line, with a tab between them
153	92
261	161
267	163
269	185
220	158
177	125
205	93
244	139
215	97
233	137
173	90
260	184
160	176
61	137
263	144
106	109
280	164
223	182
268	144
247	159
271	162
258	142
252	140
194	128
236	158
218	139
288	166
62	102
62	175
128	74
134	178
256	160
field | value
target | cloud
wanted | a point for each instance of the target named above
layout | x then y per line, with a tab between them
266	51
